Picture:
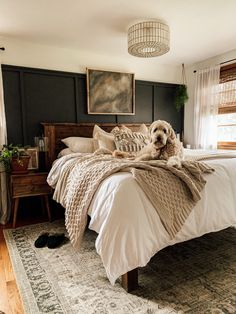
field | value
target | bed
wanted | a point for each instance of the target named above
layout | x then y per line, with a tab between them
120	202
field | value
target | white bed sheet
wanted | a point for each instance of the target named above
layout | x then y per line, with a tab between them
130	231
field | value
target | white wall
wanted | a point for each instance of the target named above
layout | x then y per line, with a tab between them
189	107
35	55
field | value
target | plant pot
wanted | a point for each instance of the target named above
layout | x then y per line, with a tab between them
20	165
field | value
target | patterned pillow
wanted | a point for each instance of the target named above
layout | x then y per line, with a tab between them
127	141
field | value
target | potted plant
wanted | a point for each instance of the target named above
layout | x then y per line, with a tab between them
14	158
181	96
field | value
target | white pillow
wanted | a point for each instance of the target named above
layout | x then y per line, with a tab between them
64	152
105	139
81	144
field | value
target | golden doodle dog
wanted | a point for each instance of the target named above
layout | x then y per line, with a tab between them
163	144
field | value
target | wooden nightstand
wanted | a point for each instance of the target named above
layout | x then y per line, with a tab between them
29	184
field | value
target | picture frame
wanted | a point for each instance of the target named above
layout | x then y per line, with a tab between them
110	93
34	160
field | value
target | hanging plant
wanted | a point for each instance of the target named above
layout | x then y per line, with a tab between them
181	95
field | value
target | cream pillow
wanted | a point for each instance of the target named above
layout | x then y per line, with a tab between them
97	129
64	152
142	129
105	139
80	144
125	128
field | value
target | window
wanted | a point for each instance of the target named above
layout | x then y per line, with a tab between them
227	108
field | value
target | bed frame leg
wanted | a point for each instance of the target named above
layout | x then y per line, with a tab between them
130	280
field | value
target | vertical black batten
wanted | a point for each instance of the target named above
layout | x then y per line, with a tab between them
23	111
116	117
153	102
76	86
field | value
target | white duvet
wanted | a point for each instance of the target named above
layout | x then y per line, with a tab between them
130	231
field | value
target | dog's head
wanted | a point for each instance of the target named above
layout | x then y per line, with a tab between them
160	133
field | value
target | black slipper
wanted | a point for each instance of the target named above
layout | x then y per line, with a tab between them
55	240
42	240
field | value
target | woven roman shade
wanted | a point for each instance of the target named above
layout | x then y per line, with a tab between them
227	89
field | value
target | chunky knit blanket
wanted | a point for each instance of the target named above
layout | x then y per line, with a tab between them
173	192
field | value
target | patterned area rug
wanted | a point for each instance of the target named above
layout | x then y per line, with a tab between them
198	276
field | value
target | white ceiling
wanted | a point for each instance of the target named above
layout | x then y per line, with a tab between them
200	29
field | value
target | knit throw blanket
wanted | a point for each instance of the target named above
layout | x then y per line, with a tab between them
173	192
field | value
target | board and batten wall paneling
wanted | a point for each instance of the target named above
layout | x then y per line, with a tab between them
33	96
46	95
164	106
13	108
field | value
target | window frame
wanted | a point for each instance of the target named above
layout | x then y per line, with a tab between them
230	109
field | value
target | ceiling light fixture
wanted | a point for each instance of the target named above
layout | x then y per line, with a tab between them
148	39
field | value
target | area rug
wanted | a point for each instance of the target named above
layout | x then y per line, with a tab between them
198	276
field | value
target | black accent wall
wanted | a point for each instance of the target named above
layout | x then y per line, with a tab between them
36	95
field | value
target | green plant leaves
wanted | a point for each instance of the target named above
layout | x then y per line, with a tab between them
181	96
11	151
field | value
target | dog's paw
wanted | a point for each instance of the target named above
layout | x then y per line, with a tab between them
174	161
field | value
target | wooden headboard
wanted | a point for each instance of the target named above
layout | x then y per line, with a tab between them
57	131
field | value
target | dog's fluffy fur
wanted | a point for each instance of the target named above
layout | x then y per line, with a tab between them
163	145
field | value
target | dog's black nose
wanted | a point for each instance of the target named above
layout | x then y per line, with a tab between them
158	138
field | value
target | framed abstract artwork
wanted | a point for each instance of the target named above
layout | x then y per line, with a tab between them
110	92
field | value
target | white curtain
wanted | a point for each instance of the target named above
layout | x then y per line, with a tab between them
206	108
4	194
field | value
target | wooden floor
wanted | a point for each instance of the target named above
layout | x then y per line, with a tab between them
10	301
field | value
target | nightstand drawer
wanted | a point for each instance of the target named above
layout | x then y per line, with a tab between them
29	179
30	184
30	190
